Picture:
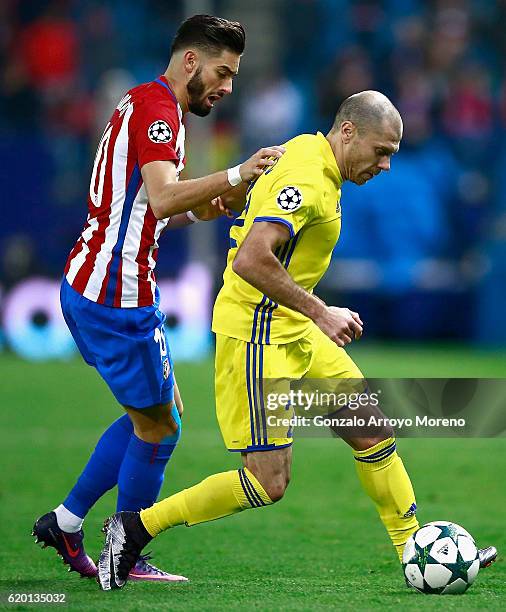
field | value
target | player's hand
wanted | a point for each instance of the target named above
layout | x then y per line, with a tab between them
257	163
341	325
216	208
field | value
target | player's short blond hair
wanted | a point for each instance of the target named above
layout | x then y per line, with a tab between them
367	110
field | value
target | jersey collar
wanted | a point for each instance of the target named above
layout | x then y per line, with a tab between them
330	159
161	80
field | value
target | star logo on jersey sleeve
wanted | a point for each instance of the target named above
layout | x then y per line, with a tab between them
159	131
289	198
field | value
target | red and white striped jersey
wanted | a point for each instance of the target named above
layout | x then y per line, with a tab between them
113	260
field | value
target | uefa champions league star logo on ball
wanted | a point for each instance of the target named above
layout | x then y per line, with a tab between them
289	198
159	131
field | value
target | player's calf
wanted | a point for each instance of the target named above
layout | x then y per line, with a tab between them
384	478
215	497
272	469
157	431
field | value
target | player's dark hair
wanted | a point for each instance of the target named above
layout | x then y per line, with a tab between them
212	34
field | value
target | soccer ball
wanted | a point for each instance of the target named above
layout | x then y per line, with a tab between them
441	558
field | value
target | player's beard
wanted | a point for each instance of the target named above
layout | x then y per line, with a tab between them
195	89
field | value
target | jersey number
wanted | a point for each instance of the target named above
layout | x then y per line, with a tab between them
160	339
99	168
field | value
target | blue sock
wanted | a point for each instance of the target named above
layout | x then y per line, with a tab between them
101	471
141	474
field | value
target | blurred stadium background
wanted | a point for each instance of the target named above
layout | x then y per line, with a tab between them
422	257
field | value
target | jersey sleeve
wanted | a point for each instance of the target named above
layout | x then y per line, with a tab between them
290	198
155	133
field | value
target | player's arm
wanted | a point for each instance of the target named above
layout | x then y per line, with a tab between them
207	212
169	197
257	264
235	199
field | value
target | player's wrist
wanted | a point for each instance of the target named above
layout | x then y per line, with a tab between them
192	216
316	309
234	176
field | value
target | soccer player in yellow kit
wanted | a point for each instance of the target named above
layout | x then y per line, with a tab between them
269	325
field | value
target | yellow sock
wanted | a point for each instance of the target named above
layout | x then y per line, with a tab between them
387	483
215	497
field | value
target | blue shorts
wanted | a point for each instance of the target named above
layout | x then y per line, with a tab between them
126	345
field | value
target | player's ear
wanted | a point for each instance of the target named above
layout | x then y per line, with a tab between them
190	61
348	130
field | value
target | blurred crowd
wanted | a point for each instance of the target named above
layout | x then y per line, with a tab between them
423	249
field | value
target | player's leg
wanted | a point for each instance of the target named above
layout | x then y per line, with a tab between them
102	472
156	432
218	496
380	469
272	469
241	367
62	528
138	369
241	416
261	482
143	381
243	423
155	436
385	479
99	475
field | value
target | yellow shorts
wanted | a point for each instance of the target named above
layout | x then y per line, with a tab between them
242	366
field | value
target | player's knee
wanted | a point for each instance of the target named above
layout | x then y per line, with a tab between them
276	491
386	432
173	424
380	435
165	424
364	443
276	487
159	424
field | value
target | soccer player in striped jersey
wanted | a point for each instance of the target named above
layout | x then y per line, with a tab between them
109	295
269	325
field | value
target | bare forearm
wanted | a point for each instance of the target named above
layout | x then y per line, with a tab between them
168	197
256	263
177	221
236	197
265	273
182	196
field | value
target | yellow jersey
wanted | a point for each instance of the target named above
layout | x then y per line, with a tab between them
302	191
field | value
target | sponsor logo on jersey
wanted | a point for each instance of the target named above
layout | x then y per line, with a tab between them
159	131
289	198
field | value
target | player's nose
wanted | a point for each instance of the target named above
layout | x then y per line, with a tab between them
226	88
384	164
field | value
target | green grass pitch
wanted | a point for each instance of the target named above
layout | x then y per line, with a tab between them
322	547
